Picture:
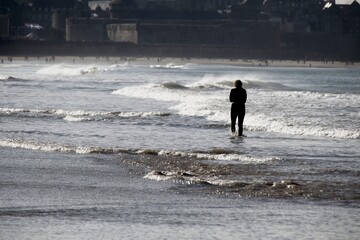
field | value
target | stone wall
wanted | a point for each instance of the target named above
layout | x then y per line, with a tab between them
330	51
4	26
87	29
122	32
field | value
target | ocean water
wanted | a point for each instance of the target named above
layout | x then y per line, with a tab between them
143	150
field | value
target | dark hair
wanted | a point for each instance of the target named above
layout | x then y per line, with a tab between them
238	83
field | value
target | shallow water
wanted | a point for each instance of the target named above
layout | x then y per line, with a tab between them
76	196
98	150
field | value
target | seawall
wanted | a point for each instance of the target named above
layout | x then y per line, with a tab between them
115	49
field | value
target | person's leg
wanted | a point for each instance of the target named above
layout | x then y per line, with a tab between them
234	115
241	121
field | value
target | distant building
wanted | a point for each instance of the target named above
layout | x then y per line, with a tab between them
103	5
345	2
39	15
351	19
59	17
180	21
331	19
237	33
100	9
249	10
341	17
170	9
123	9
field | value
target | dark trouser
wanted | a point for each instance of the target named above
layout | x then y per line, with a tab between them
237	111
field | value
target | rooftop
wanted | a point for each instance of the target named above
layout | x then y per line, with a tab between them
346	2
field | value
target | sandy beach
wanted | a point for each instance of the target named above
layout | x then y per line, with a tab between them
161	61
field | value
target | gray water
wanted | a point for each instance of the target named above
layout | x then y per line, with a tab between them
143	151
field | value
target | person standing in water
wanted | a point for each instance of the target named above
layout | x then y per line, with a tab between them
238	98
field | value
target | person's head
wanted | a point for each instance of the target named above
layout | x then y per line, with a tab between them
238	84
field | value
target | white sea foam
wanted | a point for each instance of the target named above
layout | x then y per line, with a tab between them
76	70
280	125
304	113
190	178
184	177
154	91
160	176
70	118
191	103
223	156
103	69
119	65
60	69
52	147
168	66
225	81
82	115
298	112
16	143
4	77
49	111
234	157
13	65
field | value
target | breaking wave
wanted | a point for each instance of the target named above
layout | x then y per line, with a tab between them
49	147
173	85
305	113
227	81
219	155
193	178
4	78
245	175
75	70
281	125
60	69
251	188
297	112
168	66
10	78
78	115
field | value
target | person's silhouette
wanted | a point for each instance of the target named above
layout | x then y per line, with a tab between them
238	98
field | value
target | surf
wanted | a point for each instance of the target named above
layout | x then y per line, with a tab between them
64	69
168	66
78	115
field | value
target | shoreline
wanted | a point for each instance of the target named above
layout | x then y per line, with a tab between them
175	61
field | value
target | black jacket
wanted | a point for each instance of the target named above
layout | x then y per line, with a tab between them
238	96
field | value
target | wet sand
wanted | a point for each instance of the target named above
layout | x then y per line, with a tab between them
45	195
